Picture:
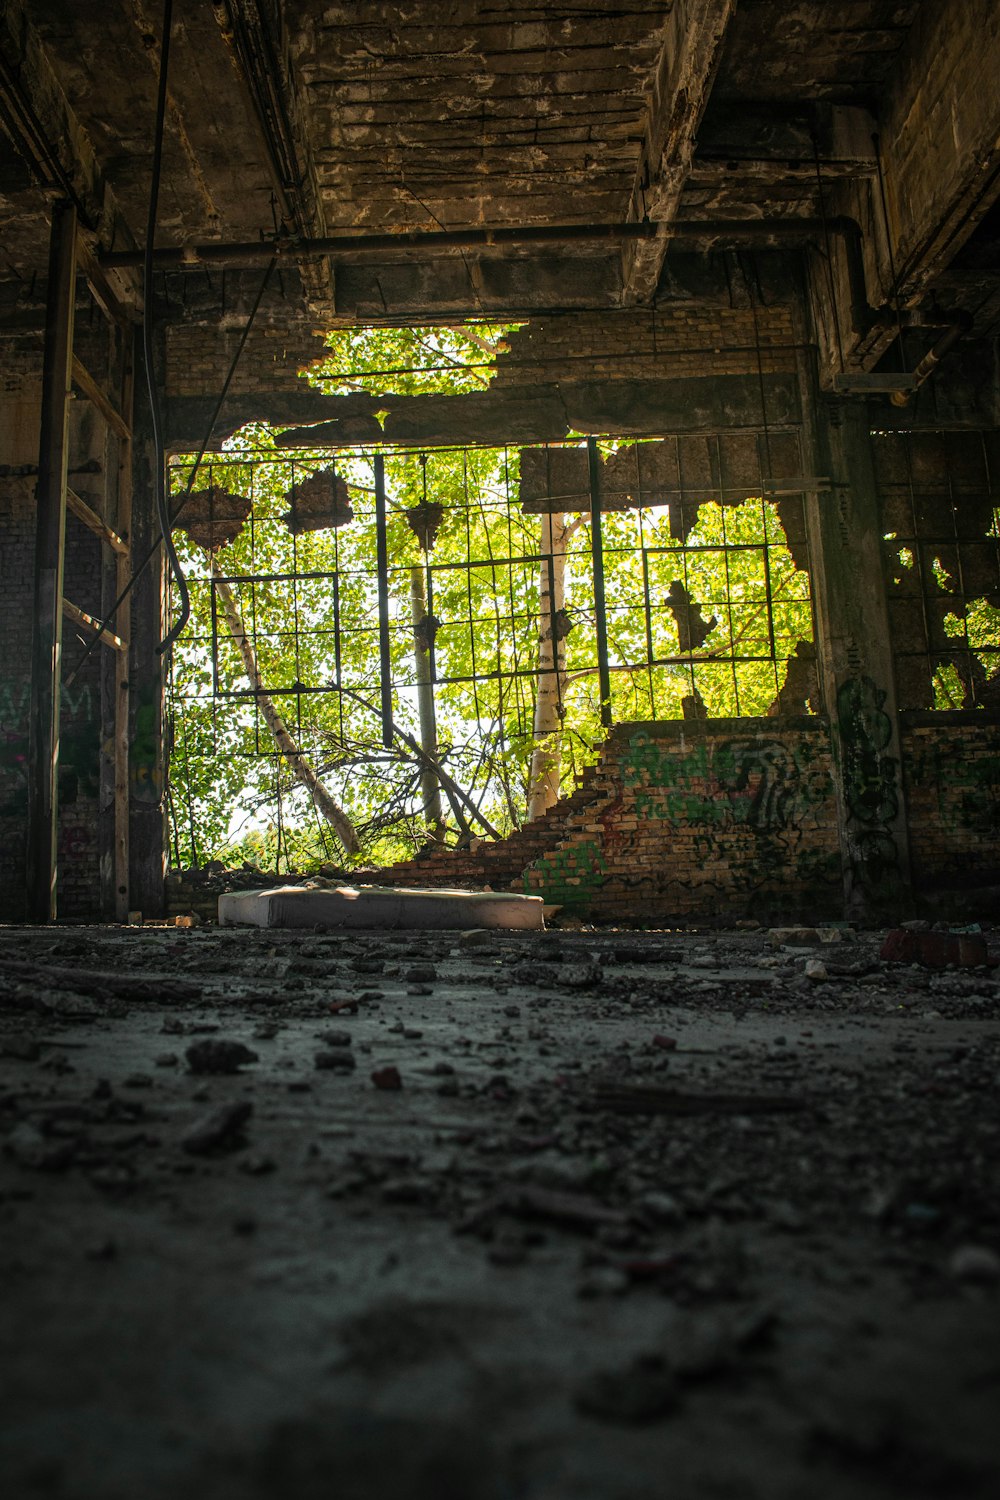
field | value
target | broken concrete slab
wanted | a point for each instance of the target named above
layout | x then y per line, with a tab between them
380	907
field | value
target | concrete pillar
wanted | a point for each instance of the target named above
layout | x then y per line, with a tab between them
147	758
855	658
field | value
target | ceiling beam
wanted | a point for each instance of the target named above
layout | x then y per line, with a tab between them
47	136
259	55
692	47
738	140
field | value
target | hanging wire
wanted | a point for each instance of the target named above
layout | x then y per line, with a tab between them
156	410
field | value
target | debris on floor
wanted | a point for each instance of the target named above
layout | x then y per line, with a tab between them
592	1188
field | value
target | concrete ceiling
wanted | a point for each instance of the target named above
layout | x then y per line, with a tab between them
374	115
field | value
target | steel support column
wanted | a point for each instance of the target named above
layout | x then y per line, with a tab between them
382	566
597	555
46	639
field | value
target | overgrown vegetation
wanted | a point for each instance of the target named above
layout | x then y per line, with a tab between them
285	627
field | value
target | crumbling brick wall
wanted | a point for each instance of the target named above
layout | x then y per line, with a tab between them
198	357
951	768
677	822
684	340
699	821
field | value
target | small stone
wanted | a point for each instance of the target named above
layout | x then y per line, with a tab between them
335	1038
222	1130
218	1056
387	1078
477	937
976	1263
662	1208
816	971
335	1060
793	937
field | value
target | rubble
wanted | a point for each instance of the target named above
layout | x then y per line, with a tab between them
728	1169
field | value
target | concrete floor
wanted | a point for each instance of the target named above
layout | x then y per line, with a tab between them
651	1214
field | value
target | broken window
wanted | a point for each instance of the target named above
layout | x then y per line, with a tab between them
941	545
418	633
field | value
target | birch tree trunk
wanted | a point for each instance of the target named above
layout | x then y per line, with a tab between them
301	769
546	756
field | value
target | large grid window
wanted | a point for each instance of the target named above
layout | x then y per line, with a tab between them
347	589
940	495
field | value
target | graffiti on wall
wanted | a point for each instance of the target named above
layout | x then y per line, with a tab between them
766	783
78	745
742	823
871	792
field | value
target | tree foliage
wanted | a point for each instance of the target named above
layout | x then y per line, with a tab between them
702	625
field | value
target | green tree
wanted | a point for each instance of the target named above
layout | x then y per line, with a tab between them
496	605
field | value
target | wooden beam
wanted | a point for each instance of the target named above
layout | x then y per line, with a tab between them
685	70
103	293
89	622
90	388
46	636
94	523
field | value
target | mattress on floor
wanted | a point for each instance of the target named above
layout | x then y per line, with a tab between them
379	906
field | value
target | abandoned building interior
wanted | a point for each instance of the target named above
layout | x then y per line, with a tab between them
500	749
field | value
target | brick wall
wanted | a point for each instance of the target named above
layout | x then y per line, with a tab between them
198	358
951	768
725	819
687	340
79	892
678	341
678	822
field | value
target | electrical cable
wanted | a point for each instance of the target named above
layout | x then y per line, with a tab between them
156	412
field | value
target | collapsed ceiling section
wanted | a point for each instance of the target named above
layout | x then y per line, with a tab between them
601	142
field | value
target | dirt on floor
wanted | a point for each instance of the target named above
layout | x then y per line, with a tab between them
579	1215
